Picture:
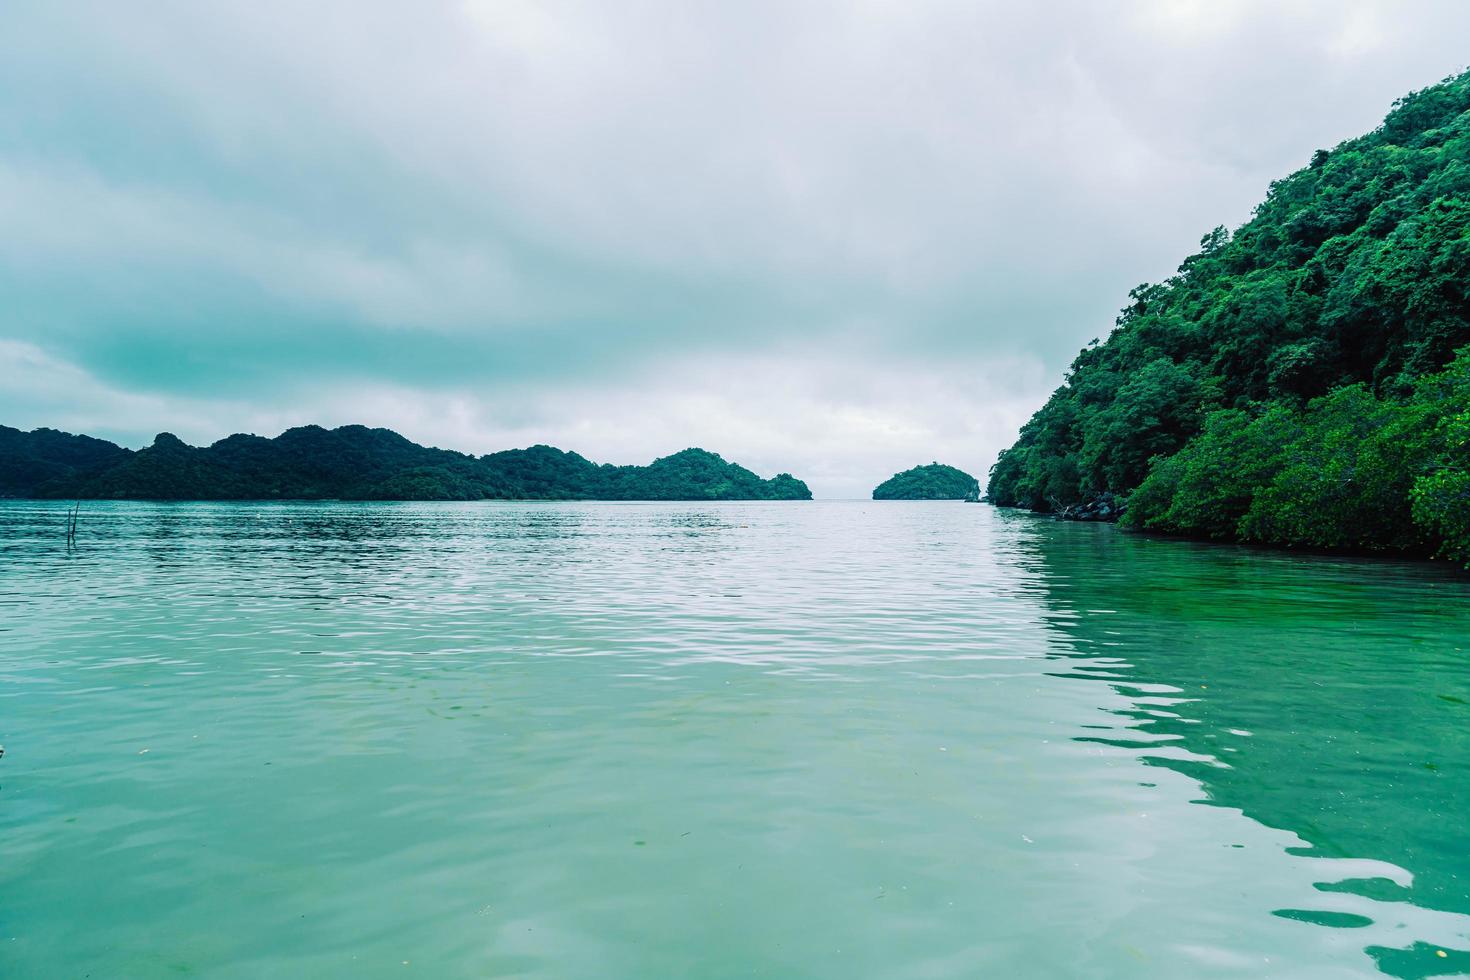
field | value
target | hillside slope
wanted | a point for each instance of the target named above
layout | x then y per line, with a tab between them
1293	383
356	463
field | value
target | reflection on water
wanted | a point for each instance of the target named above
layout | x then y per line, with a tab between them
1326	697
630	740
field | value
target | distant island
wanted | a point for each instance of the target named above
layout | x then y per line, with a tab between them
933	482
355	463
1303	382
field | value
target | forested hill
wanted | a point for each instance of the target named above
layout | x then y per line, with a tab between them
356	463
1297	382
933	482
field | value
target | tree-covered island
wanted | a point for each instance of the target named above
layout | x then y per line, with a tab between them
356	463
932	482
1304	381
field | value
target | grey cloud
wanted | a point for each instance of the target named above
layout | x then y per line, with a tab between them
252	204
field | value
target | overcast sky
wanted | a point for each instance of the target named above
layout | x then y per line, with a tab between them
836	239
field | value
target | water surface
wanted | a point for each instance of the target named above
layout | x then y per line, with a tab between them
776	739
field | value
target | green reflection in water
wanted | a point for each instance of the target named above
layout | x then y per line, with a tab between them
1324	696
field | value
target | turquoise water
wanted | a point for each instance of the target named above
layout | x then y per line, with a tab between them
669	740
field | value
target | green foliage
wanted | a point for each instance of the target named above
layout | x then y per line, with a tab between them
1441	503
933	482
1440	498
1314	327
695	474
357	463
1156	408
1206	489
1349	470
45	456
1344	482
425	483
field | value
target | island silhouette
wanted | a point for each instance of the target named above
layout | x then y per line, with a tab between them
355	462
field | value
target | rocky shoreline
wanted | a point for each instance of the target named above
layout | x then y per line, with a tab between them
1105	507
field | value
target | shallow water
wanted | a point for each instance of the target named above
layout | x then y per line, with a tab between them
777	739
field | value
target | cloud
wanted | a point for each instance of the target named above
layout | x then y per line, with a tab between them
588	219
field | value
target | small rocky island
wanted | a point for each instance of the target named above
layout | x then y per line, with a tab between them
933	482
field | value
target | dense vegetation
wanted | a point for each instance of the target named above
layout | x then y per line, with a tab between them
933	482
356	463
32	459
1292	384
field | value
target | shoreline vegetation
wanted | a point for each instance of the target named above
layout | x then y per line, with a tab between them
1303	382
355	463
935	481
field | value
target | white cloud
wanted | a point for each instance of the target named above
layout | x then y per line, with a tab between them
831	238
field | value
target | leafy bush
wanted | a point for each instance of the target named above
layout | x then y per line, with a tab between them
1210	485
1349	470
1440	498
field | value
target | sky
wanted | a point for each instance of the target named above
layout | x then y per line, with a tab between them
833	239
